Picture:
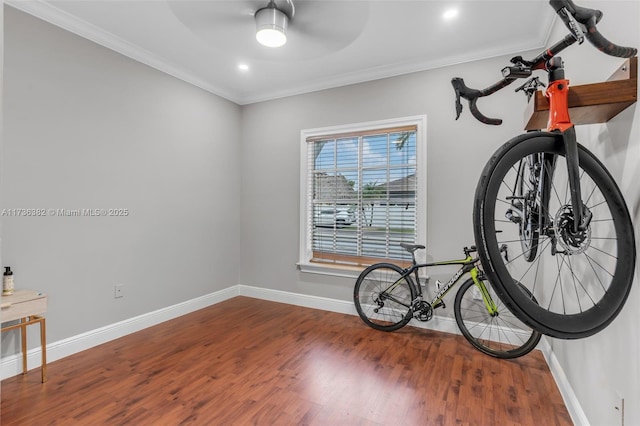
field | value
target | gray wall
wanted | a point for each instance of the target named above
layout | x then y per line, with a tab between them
86	127
271	162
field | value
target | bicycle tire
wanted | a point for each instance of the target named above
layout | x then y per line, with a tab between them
588	274
501	336
387	313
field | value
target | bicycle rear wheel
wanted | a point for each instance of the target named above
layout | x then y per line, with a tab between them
383	297
580	279
501	335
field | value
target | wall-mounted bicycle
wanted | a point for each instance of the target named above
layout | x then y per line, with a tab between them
554	204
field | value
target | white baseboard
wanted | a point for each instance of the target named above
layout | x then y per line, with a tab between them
12	365
576	412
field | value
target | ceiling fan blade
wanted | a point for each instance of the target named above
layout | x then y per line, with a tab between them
314	23
197	14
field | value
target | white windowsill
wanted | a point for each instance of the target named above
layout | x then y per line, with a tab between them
344	271
333	270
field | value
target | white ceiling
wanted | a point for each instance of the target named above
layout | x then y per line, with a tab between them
330	43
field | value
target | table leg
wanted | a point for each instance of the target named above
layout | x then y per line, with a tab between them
43	342
23	341
22	325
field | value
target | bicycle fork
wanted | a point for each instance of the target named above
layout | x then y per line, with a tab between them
559	120
582	216
486	297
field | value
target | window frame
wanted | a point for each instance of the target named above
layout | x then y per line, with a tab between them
305	246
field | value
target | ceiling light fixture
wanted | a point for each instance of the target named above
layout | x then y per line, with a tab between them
450	14
271	26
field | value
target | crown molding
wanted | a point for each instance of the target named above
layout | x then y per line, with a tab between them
397	69
46	11
51	14
388	71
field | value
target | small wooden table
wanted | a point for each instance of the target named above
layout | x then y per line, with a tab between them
27	306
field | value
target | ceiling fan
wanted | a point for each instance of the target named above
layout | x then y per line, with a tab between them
319	26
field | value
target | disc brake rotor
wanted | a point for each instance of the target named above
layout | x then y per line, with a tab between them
572	242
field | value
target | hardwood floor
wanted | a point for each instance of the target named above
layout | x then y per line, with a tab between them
248	361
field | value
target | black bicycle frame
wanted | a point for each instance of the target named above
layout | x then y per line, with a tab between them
468	266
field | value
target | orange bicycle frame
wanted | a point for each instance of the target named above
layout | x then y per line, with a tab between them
558	95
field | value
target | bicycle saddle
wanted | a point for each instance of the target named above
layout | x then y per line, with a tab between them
411	247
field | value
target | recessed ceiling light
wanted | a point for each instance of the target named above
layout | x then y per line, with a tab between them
243	67
449	14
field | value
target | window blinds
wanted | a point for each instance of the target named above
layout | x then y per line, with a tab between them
362	195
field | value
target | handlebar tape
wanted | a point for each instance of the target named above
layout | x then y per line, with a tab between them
472	95
605	46
590	18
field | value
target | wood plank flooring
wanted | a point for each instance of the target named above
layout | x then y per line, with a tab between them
247	361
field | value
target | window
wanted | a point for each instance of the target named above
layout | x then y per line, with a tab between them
363	190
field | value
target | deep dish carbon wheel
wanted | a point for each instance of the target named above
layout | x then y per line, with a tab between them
383	297
500	335
580	279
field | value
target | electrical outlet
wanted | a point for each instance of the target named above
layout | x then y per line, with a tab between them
118	291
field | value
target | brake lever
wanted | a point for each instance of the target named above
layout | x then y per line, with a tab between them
458	104
472	95
577	30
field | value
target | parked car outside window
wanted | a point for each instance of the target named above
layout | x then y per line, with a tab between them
337	217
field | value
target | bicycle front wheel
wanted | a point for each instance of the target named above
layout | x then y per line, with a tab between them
580	279
383	297
500	334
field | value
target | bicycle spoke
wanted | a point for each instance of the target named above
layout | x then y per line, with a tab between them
572	279
501	334
604	252
383	296
595	274
592	260
593	302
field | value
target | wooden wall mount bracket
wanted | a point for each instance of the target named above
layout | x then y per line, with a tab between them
591	103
